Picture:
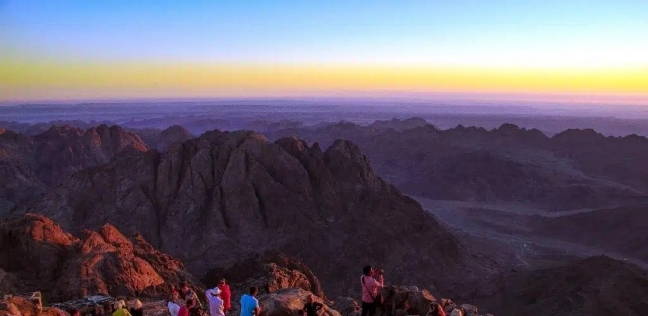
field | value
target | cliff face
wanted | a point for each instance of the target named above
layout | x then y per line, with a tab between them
43	257
225	196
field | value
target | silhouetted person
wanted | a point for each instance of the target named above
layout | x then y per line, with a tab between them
311	307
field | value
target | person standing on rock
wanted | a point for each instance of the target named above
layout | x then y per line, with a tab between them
226	295
370	288
311	307
216	304
249	303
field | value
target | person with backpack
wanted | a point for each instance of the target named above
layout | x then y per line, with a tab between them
370	288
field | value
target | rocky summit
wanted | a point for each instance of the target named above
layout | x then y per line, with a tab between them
226	196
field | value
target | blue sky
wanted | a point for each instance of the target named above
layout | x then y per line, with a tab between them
381	32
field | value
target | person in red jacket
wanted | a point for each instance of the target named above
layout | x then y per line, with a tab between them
226	295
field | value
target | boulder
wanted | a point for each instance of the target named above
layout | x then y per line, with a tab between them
287	302
269	272
409	299
347	306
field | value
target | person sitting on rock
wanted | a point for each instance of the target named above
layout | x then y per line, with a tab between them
120	309
370	288
436	310
136	308
226	295
216	303
249	303
311	307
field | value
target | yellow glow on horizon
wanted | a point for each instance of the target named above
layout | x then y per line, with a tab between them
30	80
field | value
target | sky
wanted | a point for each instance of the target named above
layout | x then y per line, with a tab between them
88	50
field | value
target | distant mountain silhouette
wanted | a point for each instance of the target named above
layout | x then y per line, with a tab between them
573	169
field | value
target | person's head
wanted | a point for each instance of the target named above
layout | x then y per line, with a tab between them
216	291
309	298
185	286
118	305
190	303
368	271
137	304
222	281
254	291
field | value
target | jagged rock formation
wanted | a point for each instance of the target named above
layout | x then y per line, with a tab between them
573	169
268	272
287	302
593	286
45	258
30	165
161	140
246	195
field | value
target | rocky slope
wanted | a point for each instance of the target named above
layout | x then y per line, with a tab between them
625	228
594	286
30	165
43	257
226	196
573	169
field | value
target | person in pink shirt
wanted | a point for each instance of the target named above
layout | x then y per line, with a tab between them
370	288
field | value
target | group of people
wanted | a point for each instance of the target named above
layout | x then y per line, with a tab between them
185	302
119	308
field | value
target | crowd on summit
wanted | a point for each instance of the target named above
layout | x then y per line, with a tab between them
185	302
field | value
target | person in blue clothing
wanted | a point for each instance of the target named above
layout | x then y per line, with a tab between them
249	303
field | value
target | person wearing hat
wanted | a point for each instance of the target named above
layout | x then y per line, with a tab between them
216	306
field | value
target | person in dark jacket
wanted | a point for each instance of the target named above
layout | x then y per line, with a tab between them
311	307
136	308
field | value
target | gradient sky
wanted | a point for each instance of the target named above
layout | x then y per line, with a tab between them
164	49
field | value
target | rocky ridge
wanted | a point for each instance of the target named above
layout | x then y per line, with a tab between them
31	165
247	195
43	257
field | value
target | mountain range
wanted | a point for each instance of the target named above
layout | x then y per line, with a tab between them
331	195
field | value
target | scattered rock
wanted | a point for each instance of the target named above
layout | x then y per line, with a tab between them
287	302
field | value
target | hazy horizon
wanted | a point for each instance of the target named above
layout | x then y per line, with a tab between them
590	52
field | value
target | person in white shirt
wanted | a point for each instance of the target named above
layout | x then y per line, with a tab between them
216	307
